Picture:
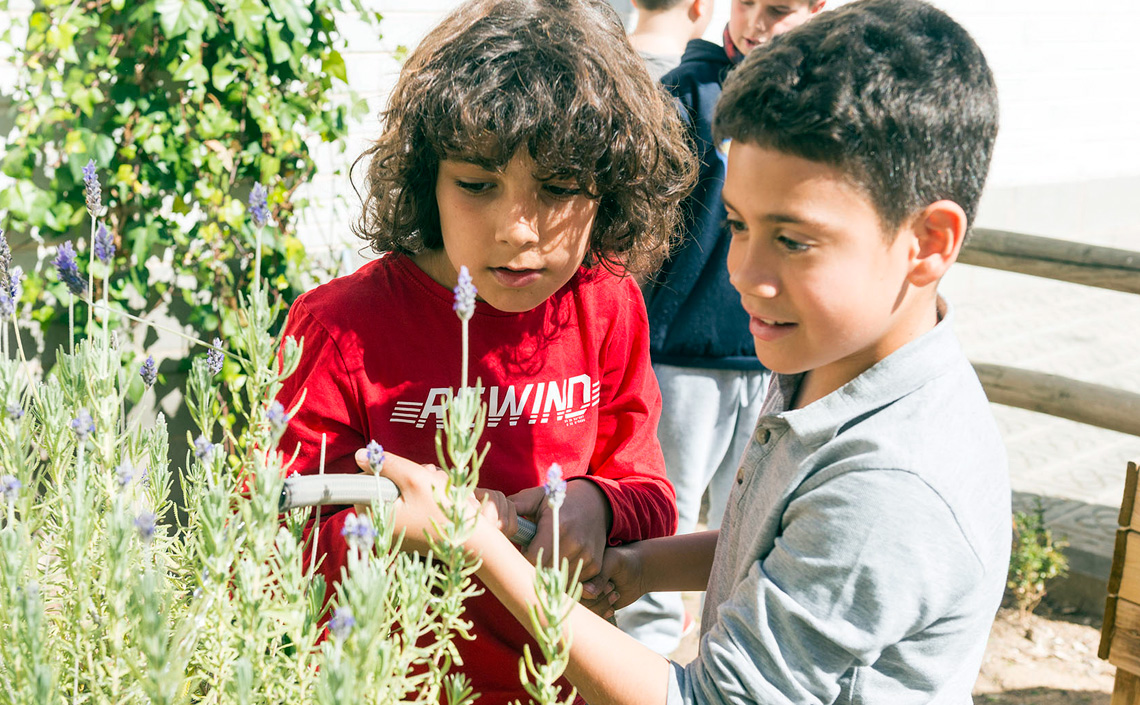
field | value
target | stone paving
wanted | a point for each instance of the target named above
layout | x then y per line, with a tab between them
1079	332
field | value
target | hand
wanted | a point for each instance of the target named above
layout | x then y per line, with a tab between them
496	507
584	521
618	584
416	509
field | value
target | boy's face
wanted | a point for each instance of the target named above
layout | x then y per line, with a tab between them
754	22
521	239
825	291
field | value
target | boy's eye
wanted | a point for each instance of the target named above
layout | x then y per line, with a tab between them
791	245
779	11
474	186
735	226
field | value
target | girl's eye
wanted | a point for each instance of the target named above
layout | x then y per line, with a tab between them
791	245
474	186
562	191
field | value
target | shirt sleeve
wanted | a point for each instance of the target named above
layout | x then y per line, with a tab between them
627	464
864	561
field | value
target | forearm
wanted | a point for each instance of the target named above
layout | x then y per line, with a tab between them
606	665
677	563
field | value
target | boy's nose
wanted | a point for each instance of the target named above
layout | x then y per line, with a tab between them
753	278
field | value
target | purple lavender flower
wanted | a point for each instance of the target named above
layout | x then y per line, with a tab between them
148	371
464	305
259	205
555	486
215	357
202	447
276	416
359	532
94	191
342	622
83	425
15	412
104	244
375	456
124	474
144	524
5	254
10	488
68	269
10	293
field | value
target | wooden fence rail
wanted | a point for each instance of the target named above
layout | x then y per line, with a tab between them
1091	265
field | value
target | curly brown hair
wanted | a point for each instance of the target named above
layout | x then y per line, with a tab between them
556	76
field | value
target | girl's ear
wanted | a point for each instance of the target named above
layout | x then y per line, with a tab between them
938	234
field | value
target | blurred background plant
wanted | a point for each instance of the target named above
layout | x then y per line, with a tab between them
186	104
1036	559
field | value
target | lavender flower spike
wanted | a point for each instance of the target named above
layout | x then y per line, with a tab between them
202	447
359	532
83	425
148	371
375	456
555	486
15	412
276	416
124	474
5	255
464	305
144	523
68	269
10	488
259	205
104	244
94	191
215	357
342	622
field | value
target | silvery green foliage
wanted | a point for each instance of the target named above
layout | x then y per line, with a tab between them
108	594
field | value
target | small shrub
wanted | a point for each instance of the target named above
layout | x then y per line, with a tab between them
1036	559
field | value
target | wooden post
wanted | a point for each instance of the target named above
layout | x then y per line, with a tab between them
1126	690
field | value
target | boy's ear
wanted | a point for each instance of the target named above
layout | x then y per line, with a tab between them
699	8
938	234
815	7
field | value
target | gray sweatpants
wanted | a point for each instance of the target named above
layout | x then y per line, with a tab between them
707	418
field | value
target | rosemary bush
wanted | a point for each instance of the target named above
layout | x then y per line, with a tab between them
1036	559
101	603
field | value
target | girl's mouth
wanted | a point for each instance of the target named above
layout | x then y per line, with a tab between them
515	278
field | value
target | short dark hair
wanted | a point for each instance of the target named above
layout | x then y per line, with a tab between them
893	93
557	78
657	5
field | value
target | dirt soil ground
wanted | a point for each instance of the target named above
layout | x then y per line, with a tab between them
1047	659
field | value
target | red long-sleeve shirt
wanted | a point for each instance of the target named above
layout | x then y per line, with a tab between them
567	382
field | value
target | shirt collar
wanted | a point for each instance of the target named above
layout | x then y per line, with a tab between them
900	373
730	48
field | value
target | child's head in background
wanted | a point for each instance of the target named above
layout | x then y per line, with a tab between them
753	23
523	139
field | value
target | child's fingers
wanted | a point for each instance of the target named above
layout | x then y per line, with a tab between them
529	502
495	506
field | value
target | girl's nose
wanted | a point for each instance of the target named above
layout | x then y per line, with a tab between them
519	226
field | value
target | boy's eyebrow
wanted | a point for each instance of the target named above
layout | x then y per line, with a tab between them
781	218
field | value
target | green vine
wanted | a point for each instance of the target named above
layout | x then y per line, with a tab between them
183	105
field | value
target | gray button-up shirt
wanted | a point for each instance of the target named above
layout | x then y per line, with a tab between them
865	546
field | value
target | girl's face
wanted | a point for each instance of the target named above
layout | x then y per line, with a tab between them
521	238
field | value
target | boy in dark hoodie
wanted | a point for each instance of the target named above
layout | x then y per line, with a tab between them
712	385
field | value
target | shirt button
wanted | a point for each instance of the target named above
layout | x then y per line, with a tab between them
740	476
762	435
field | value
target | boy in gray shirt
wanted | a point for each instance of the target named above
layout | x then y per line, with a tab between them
865	546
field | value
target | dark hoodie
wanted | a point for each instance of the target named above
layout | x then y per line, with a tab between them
695	316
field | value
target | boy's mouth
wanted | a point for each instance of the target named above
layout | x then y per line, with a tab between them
515	278
769	329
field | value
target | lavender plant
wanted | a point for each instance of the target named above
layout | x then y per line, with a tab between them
105	602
